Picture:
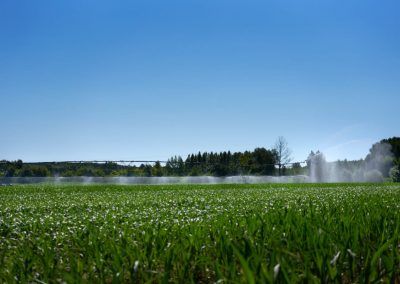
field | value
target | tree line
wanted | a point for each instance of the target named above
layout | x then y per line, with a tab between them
260	161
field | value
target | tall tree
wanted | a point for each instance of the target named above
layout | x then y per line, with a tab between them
263	161
282	153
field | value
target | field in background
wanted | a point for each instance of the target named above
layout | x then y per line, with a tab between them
200	233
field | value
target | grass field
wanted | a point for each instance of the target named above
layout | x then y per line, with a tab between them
200	233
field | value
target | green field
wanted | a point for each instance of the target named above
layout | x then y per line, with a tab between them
200	233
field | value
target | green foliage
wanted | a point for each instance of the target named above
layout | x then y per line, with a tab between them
259	162
394	142
200	233
395	174
157	170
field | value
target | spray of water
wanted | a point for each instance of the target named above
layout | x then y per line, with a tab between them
156	180
372	169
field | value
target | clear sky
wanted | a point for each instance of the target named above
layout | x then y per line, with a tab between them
83	79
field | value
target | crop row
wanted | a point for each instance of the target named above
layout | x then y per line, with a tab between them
200	233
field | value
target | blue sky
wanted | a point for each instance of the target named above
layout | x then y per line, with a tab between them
150	79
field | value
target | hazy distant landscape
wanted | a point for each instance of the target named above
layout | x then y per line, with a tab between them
261	165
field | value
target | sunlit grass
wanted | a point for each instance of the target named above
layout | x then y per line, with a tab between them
200	233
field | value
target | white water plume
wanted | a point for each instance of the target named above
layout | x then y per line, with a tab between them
374	168
156	180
